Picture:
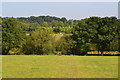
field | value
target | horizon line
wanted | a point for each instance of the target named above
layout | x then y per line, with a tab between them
58	16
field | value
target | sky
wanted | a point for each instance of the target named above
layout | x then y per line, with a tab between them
60	0
70	10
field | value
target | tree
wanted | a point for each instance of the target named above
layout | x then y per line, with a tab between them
63	19
81	38
56	23
107	31
45	24
56	30
11	35
64	44
96	30
39	42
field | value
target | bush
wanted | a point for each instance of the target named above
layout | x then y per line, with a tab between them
39	42
64	44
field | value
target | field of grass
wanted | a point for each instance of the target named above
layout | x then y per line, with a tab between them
32	66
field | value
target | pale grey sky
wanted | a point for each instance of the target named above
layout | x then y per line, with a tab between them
70	10
59	0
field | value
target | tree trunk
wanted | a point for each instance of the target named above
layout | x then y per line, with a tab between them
102	53
98	52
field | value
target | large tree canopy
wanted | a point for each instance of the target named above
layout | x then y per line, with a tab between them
100	31
11	35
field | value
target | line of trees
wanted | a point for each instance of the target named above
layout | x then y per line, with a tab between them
46	35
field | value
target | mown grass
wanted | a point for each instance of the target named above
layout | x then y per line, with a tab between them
32	66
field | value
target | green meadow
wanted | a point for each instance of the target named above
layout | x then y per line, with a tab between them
52	66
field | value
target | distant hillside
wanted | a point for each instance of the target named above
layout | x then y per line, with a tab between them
48	21
40	19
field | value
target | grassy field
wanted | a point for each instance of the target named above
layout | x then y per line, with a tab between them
32	66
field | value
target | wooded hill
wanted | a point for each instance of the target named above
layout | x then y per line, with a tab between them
52	35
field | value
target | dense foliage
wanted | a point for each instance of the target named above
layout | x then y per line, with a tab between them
98	31
11	35
51	35
39	42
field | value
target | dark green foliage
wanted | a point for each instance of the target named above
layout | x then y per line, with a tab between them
57	30
100	31
81	37
41	19
49	21
114	45
107	31
11	35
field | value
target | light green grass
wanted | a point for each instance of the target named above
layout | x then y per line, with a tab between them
0	66
31	66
